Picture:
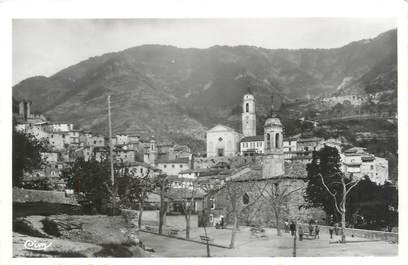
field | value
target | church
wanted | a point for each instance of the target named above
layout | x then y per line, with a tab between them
225	141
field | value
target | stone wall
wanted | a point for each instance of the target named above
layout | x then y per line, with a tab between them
179	221
24	196
234	161
368	234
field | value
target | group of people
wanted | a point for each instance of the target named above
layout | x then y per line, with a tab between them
314	230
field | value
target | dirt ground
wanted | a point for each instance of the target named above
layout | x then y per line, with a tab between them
270	246
96	232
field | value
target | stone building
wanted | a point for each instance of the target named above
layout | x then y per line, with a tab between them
253	187
174	166
252	145
222	141
360	163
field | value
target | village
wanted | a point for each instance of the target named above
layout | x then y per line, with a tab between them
243	180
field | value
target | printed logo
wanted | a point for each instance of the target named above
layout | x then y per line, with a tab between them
36	245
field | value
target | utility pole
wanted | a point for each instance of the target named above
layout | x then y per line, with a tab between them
111	157
294	244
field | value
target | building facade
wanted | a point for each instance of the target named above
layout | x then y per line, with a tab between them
248	115
222	141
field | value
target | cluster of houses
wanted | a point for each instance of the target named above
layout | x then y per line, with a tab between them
355	100
267	157
225	141
67	143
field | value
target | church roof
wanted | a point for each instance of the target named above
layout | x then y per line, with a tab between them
252	138
220	127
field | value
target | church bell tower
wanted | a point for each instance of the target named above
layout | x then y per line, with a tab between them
248	115
273	160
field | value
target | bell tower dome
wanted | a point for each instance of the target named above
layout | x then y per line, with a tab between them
248	115
273	160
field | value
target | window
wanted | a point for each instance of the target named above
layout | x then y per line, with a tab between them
277	144
181	166
290	149
172	166
245	199
164	166
372	167
289	142
247	107
94	142
268	141
212	203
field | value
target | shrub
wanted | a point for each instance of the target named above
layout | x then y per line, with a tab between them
24	227
50	227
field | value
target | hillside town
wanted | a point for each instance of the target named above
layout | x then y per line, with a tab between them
224	145
199	186
230	150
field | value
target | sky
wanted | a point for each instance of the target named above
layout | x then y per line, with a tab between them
45	46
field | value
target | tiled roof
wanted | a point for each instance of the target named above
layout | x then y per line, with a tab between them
252	138
175	161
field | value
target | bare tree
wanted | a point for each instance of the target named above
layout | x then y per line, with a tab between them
277	192
135	189
235	191
347	184
163	184
188	204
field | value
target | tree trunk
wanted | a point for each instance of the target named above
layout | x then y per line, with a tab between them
162	215
187	216
277	222
163	210
139	221
343	226
208	243
343	212
234	230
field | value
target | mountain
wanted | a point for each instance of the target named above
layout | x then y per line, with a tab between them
172	92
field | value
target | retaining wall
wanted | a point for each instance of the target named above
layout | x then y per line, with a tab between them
25	196
368	234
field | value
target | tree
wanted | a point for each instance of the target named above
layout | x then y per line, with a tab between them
91	178
26	155
163	184
325	176
373	206
277	192
135	189
238	196
185	196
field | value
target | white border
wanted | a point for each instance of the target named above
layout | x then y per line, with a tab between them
10	9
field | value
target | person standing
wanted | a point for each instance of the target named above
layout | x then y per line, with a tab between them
310	229
300	231
336	229
286	226
292	228
331	228
317	231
